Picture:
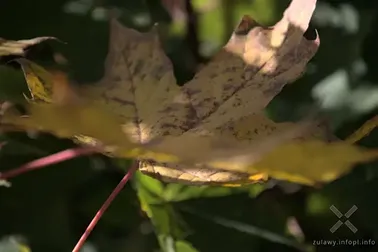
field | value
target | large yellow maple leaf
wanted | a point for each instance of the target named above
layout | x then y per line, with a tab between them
213	129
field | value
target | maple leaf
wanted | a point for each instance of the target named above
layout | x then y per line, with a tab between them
241	79
212	130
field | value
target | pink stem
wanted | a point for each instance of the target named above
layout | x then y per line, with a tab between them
105	206
49	160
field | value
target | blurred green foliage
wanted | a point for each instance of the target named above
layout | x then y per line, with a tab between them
48	209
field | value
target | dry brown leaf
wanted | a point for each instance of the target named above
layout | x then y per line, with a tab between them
239	82
225	99
19	47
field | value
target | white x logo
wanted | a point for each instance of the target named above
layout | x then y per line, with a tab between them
347	223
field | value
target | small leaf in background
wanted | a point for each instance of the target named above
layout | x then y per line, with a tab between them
185	246
168	224
40	81
13	244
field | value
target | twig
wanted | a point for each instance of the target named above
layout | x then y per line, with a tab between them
49	160
105	206
363	131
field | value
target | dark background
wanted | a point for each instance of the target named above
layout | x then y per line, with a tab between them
48	209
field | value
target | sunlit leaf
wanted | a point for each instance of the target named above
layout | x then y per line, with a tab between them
213	129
